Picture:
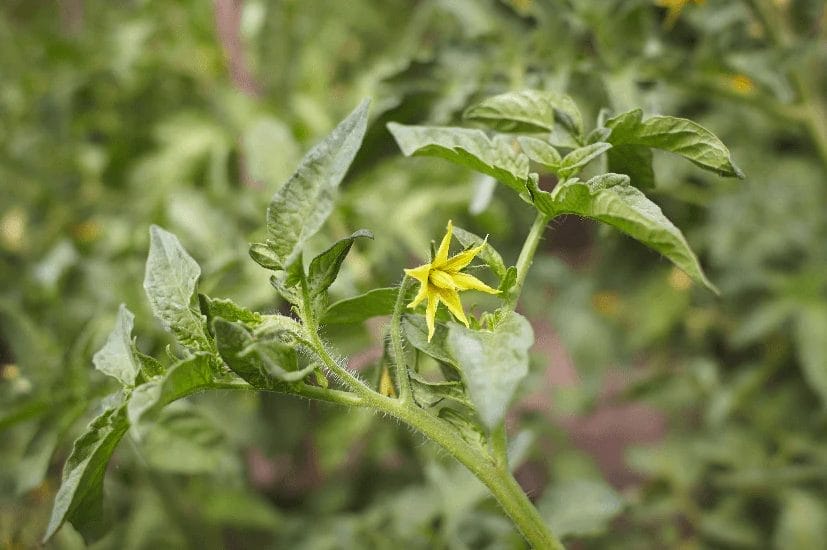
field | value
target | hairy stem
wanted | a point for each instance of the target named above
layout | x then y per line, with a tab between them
401	368
526	257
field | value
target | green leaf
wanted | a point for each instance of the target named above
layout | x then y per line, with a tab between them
811	344
635	161
471	148
580	507
324	268
676	135
169	282
610	199
580	157
488	254
376	302
492	362
226	309
541	152
428	393
299	208
79	499
265	256
527	111
265	364
416	332
115	358
184	378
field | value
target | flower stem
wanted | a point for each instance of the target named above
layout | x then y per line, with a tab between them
401	368
526	257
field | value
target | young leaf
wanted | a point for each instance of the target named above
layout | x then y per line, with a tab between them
226	309
541	152
527	111
170	280
580	157
376	302
676	135
262	364
325	267
488	254
492	362
115	358
471	148
79	499
610	199
416	332
182	379
429	393
301	206
265	256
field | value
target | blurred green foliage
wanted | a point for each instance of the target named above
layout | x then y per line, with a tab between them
117	115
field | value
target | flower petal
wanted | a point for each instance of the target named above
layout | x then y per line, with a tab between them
419	273
462	259
430	313
465	281
421	295
451	299
442	253
443	280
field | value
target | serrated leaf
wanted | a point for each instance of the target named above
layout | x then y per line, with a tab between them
265	364
115	358
300	207
226	309
169	282
492	363
324	268
471	148
376	302
811	344
79	499
676	135
580	157
541	152
488	254
527	111
610	199
635	161
580	507
184	378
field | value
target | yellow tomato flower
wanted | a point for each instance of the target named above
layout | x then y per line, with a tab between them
441	281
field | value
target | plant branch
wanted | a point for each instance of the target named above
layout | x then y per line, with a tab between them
526	257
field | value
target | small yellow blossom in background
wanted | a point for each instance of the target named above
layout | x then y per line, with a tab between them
674	7
441	281
679	280
742	84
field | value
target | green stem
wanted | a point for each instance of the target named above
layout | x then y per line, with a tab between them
526	257
303	390
401	367
490	471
